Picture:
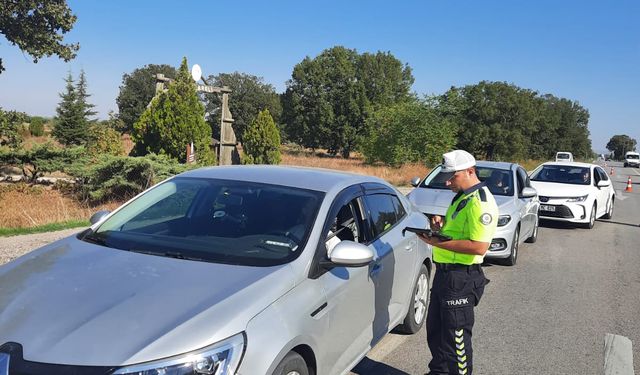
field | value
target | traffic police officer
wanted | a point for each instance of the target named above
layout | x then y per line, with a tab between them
459	281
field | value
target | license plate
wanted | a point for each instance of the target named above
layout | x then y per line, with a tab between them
544	207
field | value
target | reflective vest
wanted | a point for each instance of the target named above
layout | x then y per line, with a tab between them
472	215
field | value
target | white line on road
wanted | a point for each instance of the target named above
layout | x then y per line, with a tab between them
618	355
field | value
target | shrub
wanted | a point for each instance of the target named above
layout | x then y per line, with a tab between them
122	177
37	126
104	140
262	141
407	132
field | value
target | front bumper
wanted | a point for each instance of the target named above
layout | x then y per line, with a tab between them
564	211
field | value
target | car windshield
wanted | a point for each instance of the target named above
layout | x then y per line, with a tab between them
633	156
213	220
499	181
564	174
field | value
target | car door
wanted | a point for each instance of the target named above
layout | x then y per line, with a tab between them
349	292
603	192
395	258
528	206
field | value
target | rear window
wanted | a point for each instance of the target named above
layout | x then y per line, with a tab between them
213	220
563	156
563	174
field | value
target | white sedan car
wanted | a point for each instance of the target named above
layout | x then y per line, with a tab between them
574	192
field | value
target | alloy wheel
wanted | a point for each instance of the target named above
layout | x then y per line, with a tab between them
420	299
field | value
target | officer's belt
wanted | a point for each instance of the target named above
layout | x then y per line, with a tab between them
457	266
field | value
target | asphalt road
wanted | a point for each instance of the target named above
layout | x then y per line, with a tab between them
550	313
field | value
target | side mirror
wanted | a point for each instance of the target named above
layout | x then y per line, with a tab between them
603	183
415	181
98	216
351	254
528	192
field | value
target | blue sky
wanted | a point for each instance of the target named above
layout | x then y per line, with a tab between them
588	51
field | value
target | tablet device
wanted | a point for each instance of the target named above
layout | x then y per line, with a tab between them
428	232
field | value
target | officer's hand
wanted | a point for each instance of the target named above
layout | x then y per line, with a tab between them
436	223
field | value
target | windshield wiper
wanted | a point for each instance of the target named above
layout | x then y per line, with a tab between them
168	254
95	238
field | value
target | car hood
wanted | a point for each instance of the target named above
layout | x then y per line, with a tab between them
436	201
554	189
72	302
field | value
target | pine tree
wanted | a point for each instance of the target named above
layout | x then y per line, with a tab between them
70	126
83	95
174	119
262	141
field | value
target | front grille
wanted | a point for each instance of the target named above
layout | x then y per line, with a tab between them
561	211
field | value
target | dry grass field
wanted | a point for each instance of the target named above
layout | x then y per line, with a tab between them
24	206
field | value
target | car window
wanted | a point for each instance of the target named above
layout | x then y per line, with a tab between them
346	225
499	181
434	180
215	220
602	175
565	174
382	212
523	180
400	211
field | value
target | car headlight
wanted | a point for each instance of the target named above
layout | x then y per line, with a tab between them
222	358
503	220
578	199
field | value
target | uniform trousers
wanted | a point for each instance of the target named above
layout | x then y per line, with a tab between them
456	290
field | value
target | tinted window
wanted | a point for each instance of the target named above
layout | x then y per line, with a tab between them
523	180
565	174
400	211
382	212
602	174
215	220
435	180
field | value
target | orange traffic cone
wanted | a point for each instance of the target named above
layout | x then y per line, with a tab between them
611	171
629	188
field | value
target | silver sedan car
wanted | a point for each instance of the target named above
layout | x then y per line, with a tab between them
227	270
517	203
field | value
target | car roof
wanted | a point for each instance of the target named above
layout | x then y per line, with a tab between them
495	164
570	164
299	177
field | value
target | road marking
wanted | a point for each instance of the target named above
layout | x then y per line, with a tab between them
621	196
618	355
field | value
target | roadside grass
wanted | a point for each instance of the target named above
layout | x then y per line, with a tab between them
6	232
25	207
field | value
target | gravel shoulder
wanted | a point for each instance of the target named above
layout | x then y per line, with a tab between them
15	246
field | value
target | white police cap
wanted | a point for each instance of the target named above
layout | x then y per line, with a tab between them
457	160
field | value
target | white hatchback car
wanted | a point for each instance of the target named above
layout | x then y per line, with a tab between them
574	192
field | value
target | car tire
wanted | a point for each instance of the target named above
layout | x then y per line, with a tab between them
419	304
513	255
592	218
292	364
534	235
609	213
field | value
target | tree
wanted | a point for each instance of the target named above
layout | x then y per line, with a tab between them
70	126
411	131
36	126
329	97
85	107
249	96
9	128
38	27
174	119
136	92
620	144
262	141
386	80
327	103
